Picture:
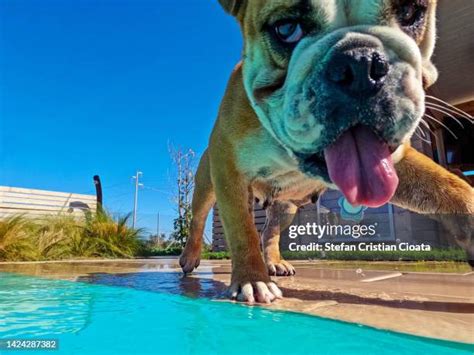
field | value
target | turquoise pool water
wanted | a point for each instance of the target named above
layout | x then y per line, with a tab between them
90	318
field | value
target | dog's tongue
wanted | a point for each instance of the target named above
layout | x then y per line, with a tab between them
360	164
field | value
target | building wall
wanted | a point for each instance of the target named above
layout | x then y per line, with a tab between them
393	225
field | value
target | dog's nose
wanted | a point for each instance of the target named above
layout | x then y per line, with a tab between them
360	71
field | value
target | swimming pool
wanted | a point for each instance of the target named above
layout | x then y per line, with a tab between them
140	317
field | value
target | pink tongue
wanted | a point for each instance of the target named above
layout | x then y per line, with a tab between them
361	166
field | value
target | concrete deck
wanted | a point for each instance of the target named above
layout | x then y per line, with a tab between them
439	305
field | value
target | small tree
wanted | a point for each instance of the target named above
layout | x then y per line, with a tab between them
157	241
184	165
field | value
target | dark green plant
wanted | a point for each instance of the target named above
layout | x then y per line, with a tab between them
182	226
171	251
448	254
105	236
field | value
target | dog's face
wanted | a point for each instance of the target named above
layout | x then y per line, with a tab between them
325	76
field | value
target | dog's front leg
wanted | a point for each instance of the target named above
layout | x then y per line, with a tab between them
250	281
428	188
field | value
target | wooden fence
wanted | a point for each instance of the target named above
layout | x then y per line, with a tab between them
40	203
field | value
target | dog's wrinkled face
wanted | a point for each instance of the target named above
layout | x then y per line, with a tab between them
339	83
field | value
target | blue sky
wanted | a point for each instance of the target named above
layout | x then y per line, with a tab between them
100	87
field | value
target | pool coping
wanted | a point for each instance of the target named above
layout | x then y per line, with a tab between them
399	304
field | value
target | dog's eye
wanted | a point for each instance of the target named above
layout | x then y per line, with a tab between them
289	31
410	13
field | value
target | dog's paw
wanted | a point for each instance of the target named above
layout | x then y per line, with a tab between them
280	268
189	259
254	292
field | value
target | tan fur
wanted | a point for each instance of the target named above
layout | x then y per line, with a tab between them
203	200
426	187
231	187
279	217
236	120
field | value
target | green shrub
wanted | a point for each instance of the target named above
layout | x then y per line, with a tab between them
104	236
61	237
448	254
15	240
170	251
53	236
217	255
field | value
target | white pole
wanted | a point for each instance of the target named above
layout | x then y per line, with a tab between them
158	225
135	202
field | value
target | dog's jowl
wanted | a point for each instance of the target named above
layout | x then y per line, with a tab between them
328	94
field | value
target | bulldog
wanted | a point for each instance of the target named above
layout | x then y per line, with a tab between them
328	94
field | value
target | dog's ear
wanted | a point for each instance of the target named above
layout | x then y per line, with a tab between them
232	7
